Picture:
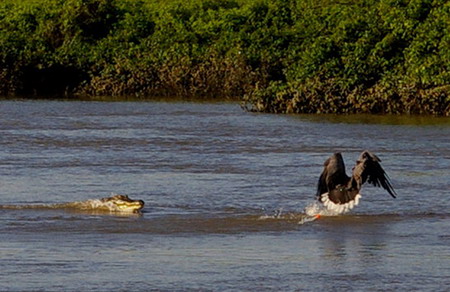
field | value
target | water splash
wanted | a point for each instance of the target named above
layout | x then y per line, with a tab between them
306	219
277	214
293	217
316	208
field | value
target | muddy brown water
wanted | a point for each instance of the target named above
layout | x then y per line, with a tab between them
225	193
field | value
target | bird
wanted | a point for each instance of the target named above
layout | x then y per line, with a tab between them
339	192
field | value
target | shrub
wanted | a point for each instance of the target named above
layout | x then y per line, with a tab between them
302	56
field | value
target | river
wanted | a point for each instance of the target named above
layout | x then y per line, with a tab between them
225	195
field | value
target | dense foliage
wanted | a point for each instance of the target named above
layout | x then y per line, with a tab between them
379	56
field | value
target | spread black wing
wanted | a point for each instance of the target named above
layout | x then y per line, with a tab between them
368	169
333	174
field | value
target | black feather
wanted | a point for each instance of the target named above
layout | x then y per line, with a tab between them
368	168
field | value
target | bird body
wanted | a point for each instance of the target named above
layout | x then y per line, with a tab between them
340	192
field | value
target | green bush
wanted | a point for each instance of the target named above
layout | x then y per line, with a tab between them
326	56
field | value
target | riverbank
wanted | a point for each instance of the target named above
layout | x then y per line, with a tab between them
275	56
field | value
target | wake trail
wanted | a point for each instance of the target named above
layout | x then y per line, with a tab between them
115	203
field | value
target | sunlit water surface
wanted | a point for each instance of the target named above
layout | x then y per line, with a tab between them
225	193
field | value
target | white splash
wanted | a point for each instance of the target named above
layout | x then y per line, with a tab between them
313	211
277	214
307	218
339	208
314	208
96	204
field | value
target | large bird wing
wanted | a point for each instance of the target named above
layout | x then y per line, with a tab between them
368	169
333	174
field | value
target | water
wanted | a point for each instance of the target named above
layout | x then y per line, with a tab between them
225	193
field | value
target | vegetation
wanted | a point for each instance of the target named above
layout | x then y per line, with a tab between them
281	56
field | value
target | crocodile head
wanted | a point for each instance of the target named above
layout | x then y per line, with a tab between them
123	203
